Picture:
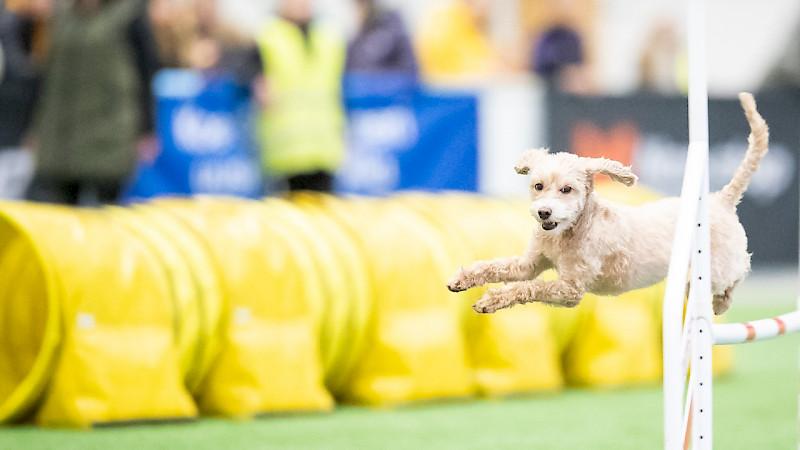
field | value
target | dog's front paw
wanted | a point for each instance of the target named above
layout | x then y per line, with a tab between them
461	282
492	300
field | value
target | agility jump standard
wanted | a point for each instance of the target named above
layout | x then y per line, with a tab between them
688	341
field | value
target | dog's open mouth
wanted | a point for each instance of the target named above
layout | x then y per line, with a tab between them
549	225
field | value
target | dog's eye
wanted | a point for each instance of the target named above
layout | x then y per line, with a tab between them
566	190
538	186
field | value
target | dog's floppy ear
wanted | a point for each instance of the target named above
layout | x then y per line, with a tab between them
613	169
527	160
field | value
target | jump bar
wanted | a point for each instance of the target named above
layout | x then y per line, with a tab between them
759	330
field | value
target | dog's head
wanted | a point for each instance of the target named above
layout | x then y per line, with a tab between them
560	184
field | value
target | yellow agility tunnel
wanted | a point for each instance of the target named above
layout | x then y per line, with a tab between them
238	308
86	331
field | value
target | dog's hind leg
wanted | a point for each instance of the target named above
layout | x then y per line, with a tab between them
515	268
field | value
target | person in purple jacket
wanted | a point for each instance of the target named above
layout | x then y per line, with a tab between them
382	43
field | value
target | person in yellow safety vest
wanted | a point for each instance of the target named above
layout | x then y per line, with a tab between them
301	128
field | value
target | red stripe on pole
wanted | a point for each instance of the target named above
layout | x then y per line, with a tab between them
751	331
781	326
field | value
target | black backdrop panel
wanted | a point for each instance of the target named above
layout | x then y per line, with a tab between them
651	133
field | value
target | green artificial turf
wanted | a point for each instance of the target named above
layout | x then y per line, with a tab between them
755	407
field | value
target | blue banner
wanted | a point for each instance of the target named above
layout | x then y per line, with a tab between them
204	130
401	137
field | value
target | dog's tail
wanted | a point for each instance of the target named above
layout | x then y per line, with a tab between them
758	145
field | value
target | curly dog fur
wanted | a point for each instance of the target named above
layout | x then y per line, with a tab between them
606	248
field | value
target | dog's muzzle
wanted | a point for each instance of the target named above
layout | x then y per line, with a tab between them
549	225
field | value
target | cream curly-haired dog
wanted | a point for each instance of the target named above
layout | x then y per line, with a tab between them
606	248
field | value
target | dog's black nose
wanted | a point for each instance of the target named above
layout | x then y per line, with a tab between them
544	213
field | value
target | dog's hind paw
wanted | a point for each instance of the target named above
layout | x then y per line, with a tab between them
722	302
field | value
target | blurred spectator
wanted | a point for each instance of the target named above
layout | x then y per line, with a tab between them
454	40
220	50
191	35
174	25
19	80
95	109
785	73
211	36
35	15
559	56
662	65
382	43
302	123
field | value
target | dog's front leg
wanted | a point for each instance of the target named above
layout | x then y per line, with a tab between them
560	292
498	270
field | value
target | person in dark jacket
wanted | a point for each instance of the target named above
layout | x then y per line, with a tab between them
95	110
382	43
18	86
18	83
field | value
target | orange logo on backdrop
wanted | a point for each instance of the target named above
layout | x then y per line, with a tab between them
617	143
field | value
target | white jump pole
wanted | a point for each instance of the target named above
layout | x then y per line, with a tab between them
691	242
699	309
